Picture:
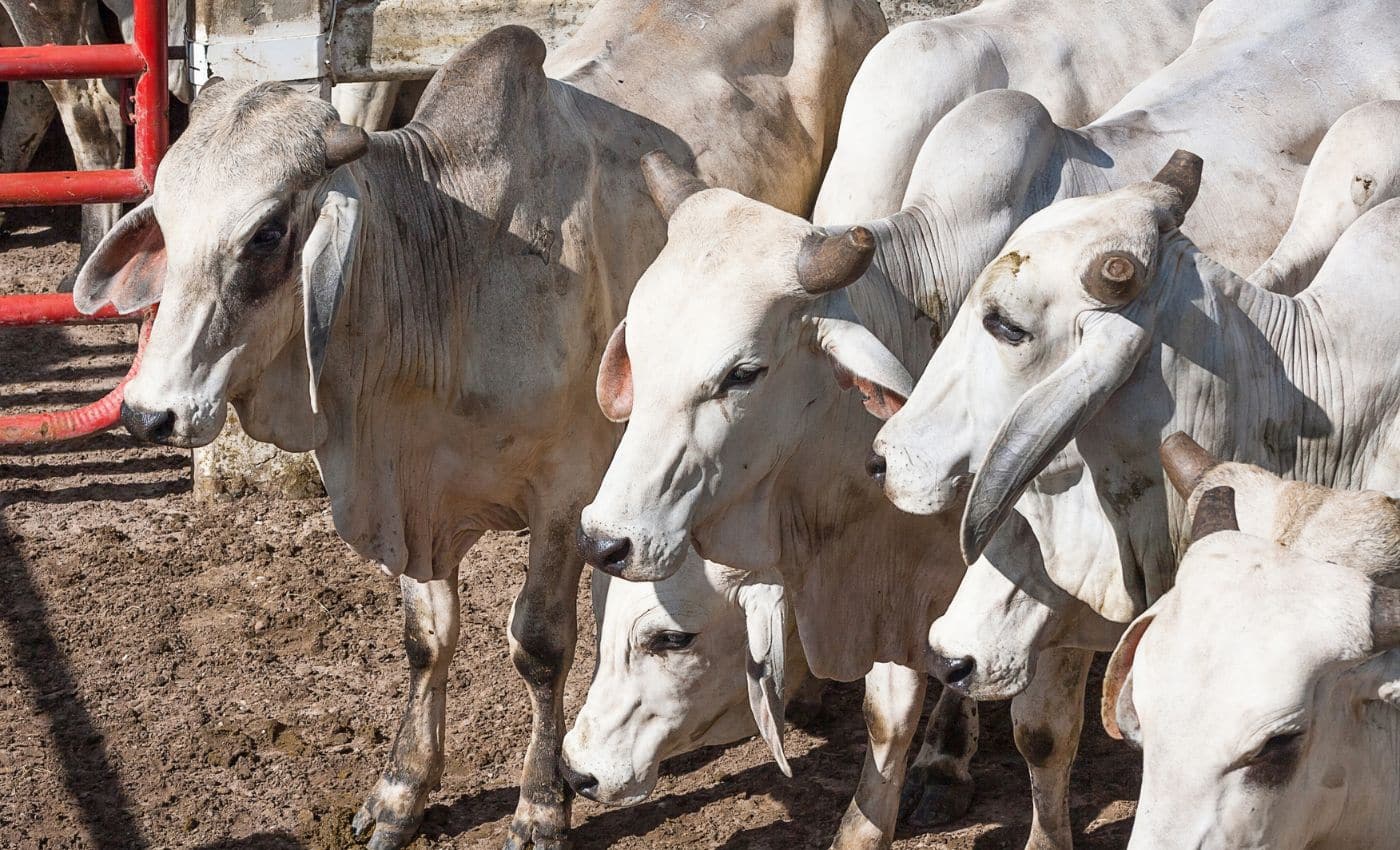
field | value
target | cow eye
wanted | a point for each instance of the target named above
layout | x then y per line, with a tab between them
267	238
670	641
1004	329
1274	762
740	377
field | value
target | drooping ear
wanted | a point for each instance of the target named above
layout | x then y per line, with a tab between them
1119	717
614	387
327	261
860	360
765	618
128	267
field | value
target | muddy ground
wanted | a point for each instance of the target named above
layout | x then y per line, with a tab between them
226	674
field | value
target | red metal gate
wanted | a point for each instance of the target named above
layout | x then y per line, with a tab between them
145	61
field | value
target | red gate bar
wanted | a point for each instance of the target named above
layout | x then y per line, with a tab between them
144	60
57	425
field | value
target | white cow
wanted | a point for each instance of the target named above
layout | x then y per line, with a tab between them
425	308
1078	57
1102	324
721	478
906	84
1264	688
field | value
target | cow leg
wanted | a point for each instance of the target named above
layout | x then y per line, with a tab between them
543	629
1047	718
28	113
395	807
939	786
92	120
90	113
894	697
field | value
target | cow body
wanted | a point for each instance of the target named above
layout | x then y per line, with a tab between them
458	280
1077	58
1289	735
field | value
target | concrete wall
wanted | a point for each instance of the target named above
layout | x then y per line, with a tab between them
235	464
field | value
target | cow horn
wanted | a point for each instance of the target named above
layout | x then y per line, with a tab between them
344	143
1214	512
1185	462
1113	278
828	262
1182	173
1385	618
668	183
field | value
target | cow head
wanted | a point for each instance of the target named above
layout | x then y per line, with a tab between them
1264	691
1049	331
687	662
732	342
246	242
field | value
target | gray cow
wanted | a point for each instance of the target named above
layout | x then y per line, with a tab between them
426	308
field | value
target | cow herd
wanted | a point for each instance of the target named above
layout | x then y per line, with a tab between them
935	355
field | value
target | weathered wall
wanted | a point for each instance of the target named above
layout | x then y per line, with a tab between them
235	464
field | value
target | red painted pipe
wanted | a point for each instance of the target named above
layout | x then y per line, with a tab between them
53	308
54	426
71	61
56	188
150	21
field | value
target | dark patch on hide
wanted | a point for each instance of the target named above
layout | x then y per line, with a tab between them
1036	745
1125	498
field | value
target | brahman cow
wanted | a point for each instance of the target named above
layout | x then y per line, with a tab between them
1264	687
887	117
1078	57
1100	328
751	483
425	308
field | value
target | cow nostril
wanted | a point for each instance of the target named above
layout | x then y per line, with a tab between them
875	466
153	426
953	671
608	554
584	784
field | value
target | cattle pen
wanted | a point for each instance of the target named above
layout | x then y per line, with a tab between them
218	670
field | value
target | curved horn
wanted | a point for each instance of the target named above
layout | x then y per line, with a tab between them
1385	618
1185	462
668	183
828	262
1214	512
344	143
1182	173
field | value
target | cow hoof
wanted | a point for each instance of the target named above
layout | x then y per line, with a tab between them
383	830
932	798
523	836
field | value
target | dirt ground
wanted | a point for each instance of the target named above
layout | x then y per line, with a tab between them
186	674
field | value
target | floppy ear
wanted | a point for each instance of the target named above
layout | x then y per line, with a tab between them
615	377
860	360
128	266
1119	717
326	261
765	617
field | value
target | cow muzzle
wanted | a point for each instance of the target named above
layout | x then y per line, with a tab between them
150	426
629	551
